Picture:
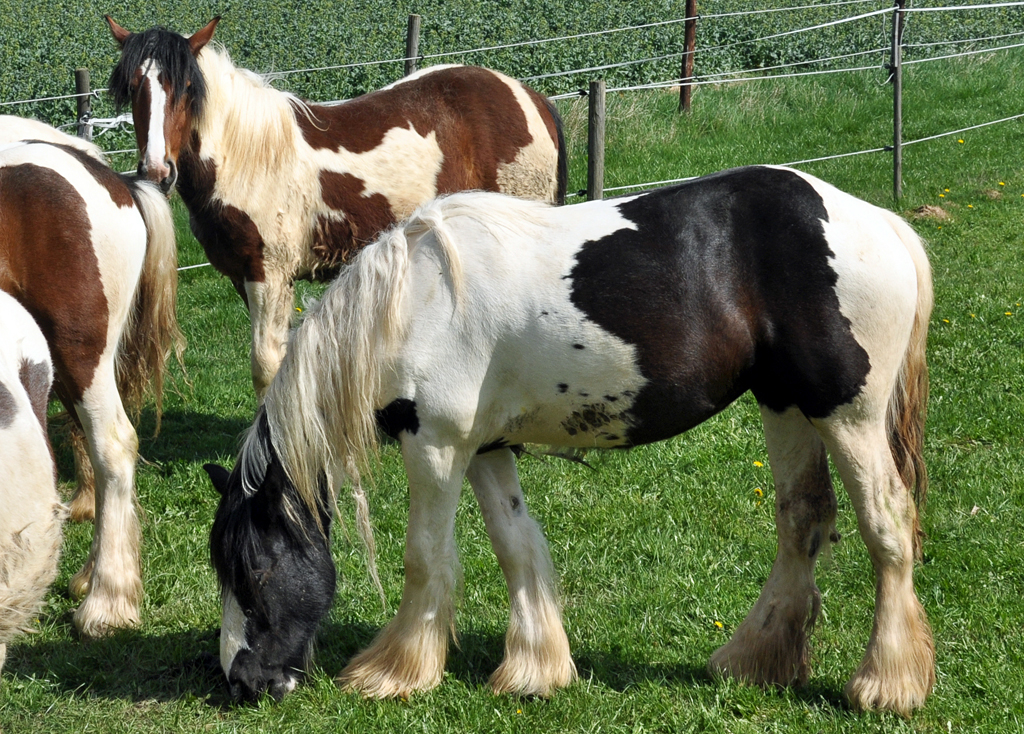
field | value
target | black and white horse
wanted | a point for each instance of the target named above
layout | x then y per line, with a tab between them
486	322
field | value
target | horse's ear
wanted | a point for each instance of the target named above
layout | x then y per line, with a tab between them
218	476
120	34
202	37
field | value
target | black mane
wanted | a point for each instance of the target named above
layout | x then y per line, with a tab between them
169	49
235	539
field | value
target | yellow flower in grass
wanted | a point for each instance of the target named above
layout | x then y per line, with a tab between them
758	463
1009	313
759	492
961	141
719	625
942	196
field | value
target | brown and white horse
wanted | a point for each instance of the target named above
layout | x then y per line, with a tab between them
30	509
90	254
280	189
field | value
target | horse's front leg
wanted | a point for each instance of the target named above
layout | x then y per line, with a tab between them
111	579
271	303
770	647
409	654
537	658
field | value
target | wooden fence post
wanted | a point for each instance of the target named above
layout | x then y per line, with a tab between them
84	101
412	44
595	142
689	48
897	101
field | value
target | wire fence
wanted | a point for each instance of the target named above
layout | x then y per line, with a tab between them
922	52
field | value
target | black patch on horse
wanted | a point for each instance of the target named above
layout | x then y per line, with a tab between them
172	52
724	286
397	416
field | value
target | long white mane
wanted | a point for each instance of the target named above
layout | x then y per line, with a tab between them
248	122
321	406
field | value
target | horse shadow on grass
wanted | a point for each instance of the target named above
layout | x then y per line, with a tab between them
139	666
480	651
184	436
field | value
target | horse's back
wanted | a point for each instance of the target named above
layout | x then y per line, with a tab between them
631	320
30	509
492	132
15	129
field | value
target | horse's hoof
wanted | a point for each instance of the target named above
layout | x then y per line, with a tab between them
83	506
93	622
79	585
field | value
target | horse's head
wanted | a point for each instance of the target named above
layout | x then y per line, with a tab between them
159	76
276	574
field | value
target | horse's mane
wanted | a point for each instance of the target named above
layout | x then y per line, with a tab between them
172	52
321	406
250	124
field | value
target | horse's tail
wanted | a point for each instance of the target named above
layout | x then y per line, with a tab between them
563	158
152	332
909	401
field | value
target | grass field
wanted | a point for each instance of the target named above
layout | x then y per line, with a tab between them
661	550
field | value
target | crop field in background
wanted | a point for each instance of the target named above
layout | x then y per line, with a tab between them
661	550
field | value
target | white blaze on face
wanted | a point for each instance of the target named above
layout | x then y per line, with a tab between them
156	146
232	632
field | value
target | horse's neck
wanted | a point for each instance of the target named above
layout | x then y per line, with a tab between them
247	128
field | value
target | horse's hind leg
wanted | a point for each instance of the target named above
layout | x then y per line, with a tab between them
898	669
111	580
409	654
83	504
537	658
770	647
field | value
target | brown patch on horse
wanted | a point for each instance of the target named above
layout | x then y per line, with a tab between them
71	310
365	216
479	100
35	378
228	235
8	407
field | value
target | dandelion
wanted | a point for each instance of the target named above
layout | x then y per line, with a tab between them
970	206
758	463
1009	313
298	309
519	711
946	190
942	196
961	141
759	492
1002	184
972	315
719	625
946	321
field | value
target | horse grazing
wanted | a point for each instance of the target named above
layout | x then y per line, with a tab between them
30	510
90	254
486	322
279	189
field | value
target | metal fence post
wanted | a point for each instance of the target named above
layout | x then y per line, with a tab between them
412	44
595	142
897	101
84	100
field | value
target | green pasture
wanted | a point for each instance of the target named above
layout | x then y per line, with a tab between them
661	550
